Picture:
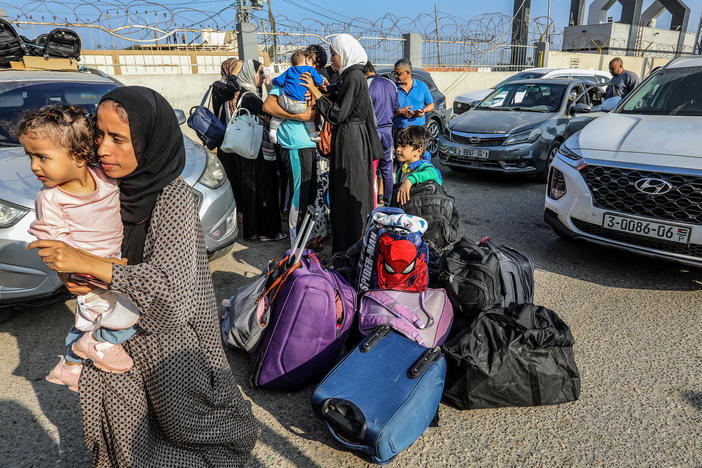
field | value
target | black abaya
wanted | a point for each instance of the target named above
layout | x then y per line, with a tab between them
255	184
355	145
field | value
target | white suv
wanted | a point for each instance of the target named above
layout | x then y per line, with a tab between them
465	101
632	179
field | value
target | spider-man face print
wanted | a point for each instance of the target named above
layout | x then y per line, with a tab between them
400	266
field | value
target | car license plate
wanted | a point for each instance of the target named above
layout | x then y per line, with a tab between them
473	153
642	227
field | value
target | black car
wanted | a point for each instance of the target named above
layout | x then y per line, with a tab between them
518	127
436	119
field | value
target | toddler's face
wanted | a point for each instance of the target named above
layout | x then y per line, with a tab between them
51	163
309	61
407	153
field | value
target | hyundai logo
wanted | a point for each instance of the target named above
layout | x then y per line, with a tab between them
653	186
474	140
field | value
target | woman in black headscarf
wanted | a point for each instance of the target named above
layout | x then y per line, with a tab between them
179	405
255	181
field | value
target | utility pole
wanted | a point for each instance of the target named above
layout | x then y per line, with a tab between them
436	20
548	23
271	19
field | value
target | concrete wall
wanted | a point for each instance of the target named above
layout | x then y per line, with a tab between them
642	66
453	83
181	91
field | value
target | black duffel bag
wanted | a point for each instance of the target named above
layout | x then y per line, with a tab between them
11	44
520	356
470	274
61	42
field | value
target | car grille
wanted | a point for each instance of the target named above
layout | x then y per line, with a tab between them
460	107
614	188
482	142
693	250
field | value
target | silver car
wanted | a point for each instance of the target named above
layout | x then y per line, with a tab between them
632	179
23	276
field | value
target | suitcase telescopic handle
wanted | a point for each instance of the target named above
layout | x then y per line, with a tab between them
374	339
346	416
426	359
303	236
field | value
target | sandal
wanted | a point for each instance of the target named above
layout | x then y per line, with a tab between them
278	237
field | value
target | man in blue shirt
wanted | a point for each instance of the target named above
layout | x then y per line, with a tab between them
413	96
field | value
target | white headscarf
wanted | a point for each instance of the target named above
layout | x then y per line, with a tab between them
350	51
247	76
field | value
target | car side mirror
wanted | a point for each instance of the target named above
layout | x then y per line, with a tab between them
580	108
611	103
180	115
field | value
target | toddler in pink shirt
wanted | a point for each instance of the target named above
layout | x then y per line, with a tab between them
80	206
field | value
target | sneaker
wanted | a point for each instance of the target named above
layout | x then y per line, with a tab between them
105	356
278	237
66	374
273	136
315	137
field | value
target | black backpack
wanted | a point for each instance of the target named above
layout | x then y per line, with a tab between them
430	201
11	45
470	274
517	273
520	356
62	43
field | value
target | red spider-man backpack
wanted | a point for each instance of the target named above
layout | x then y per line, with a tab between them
403	261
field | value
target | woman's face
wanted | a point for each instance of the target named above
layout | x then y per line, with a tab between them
335	60
260	76
114	143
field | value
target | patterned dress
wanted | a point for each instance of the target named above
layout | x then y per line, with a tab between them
179	406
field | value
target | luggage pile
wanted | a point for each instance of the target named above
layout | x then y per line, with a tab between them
422	320
58	43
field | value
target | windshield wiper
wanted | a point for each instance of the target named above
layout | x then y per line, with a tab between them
528	109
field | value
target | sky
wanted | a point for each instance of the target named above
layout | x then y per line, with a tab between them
327	11
560	9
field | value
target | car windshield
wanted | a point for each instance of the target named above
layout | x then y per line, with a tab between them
19	97
530	97
521	76
675	91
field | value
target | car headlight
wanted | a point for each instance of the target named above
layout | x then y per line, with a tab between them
213	176
570	156
10	214
529	136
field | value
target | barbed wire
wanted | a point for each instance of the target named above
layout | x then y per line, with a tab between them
137	20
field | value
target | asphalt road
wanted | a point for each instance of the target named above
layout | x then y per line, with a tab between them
638	331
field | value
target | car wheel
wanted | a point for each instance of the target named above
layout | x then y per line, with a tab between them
434	131
543	175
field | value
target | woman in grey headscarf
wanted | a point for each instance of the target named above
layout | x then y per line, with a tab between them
355	142
256	179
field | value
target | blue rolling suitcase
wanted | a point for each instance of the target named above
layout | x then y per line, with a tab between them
383	395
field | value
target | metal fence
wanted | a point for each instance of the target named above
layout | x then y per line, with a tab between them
464	54
138	49
279	46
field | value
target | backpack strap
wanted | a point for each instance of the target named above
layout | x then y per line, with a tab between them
397	308
204	98
371	322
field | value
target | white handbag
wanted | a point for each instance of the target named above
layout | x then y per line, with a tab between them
244	134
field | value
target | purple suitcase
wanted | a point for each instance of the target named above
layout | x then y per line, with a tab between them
310	321
424	317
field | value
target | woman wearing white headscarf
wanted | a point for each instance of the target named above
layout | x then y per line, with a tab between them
355	142
255	181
